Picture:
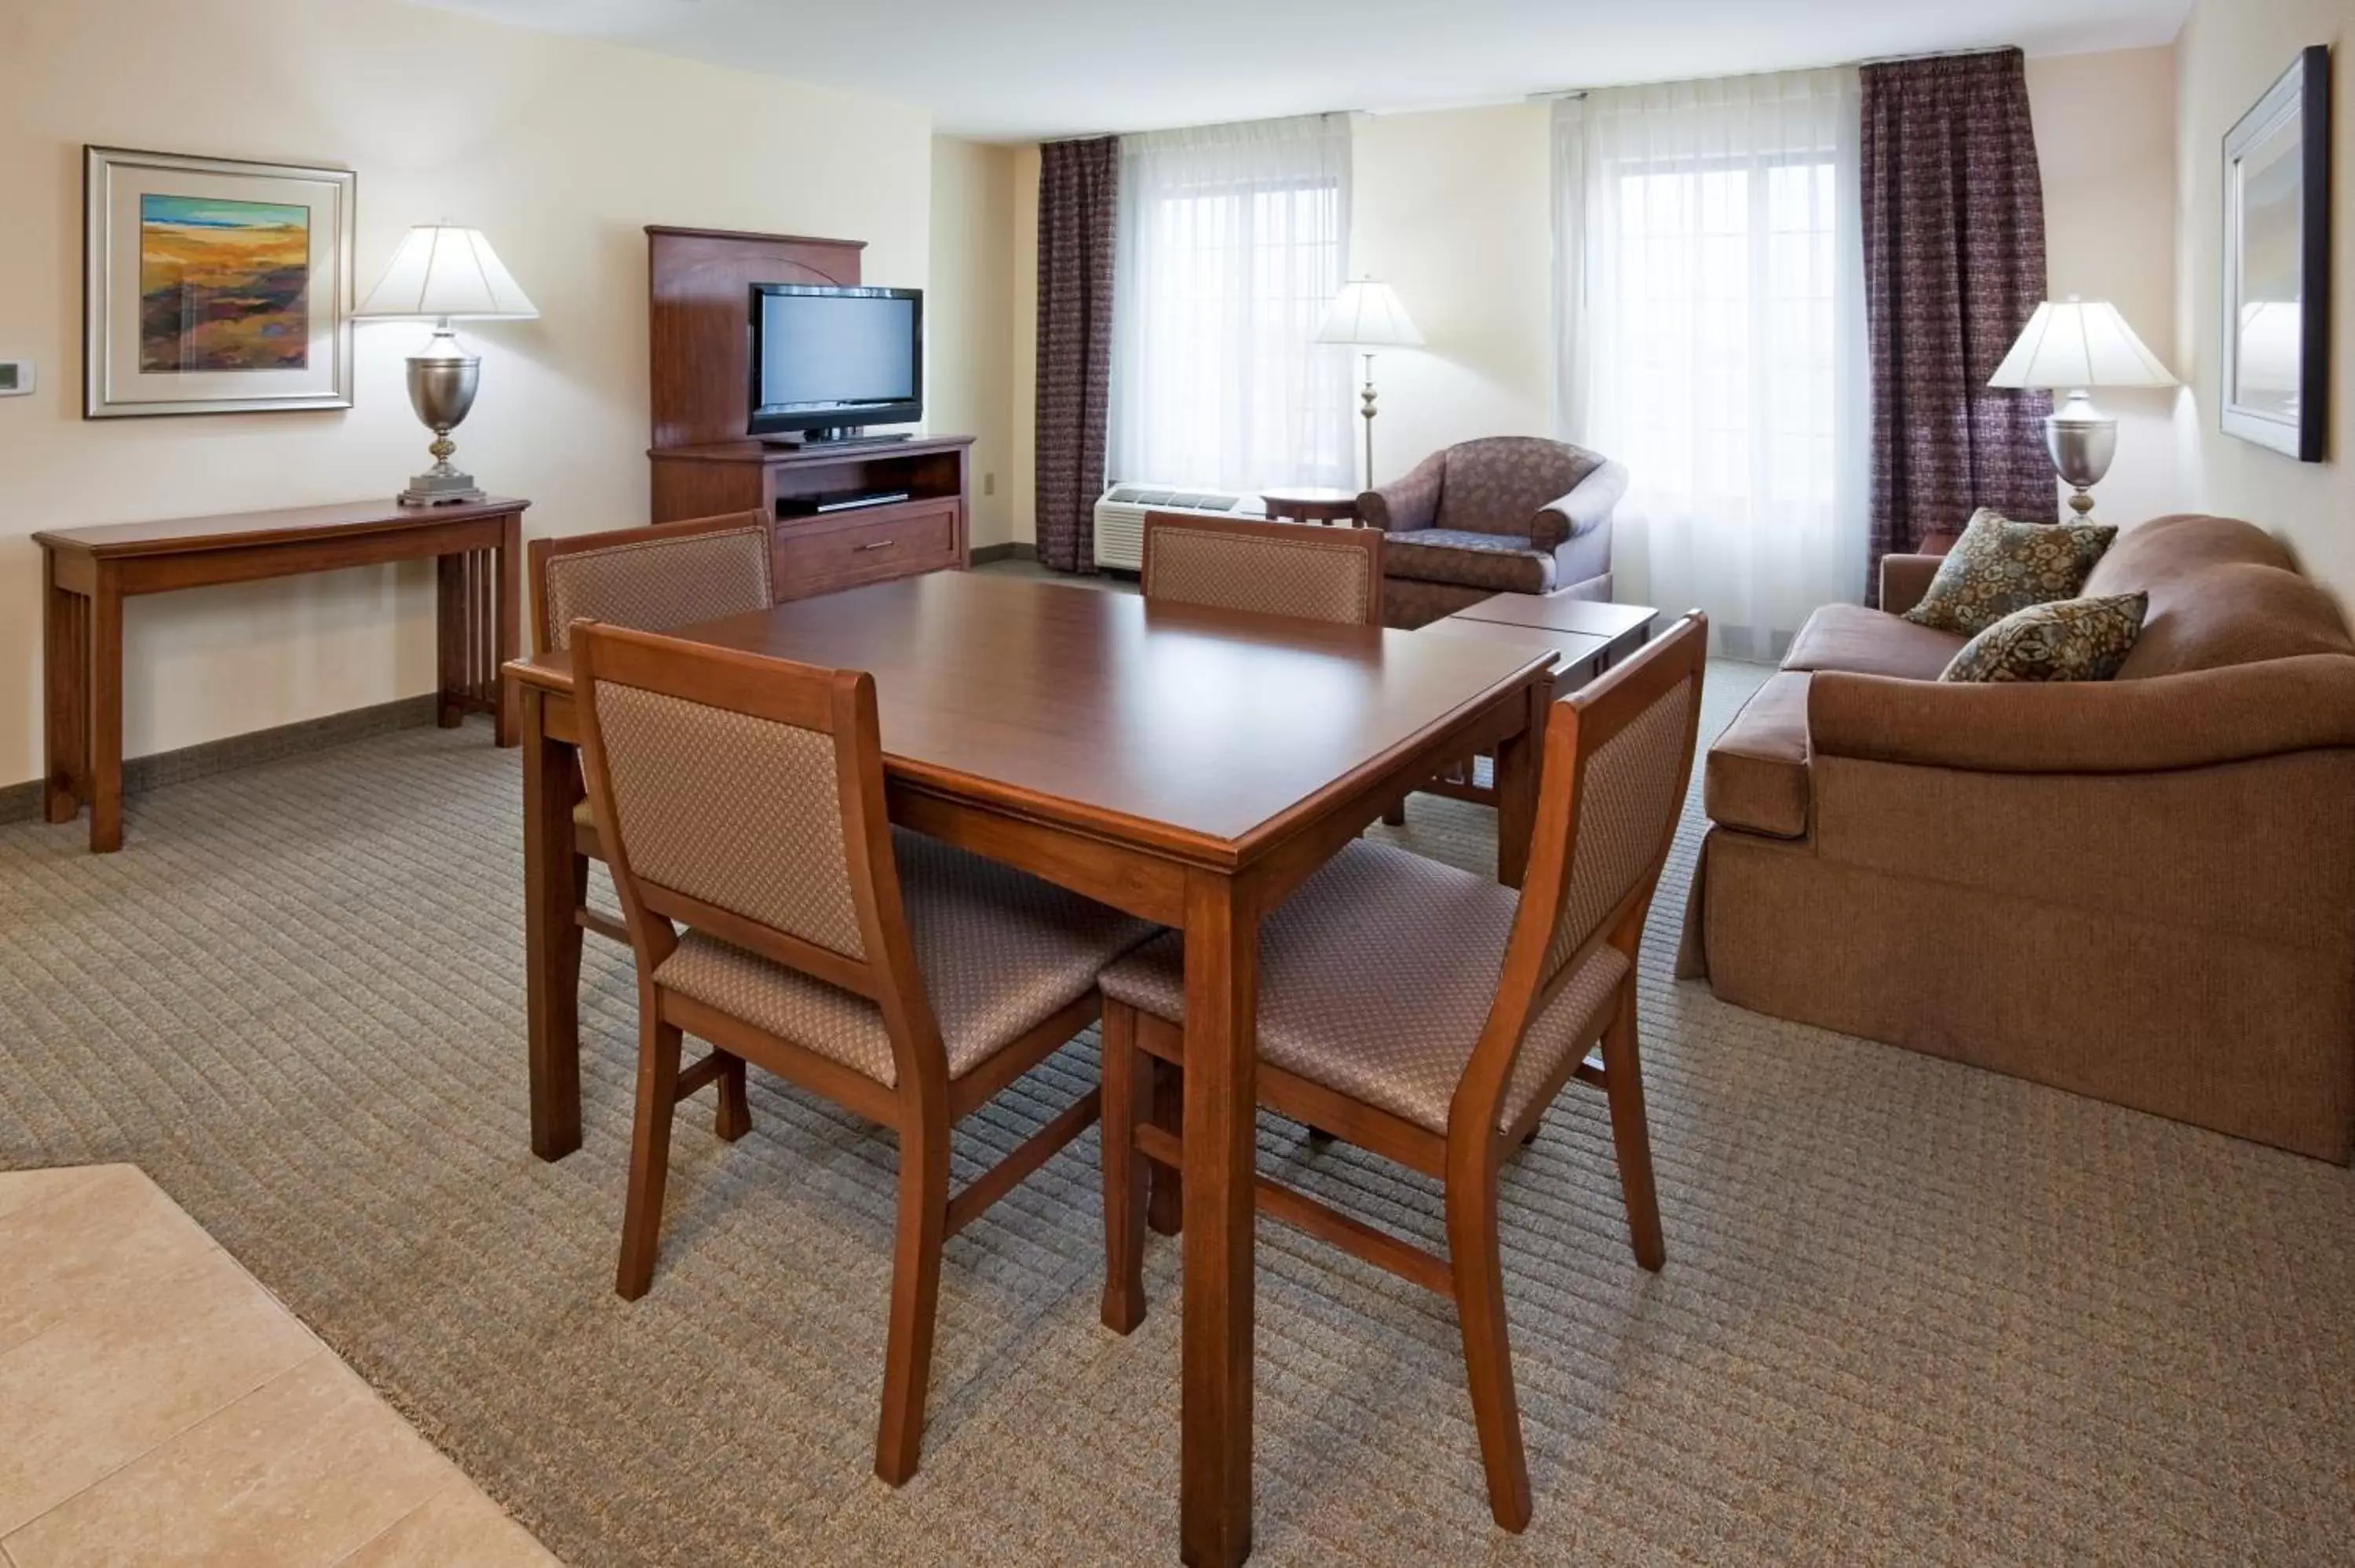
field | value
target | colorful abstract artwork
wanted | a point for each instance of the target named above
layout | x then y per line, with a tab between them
223	285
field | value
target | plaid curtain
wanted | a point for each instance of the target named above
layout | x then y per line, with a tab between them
1078	198
1954	266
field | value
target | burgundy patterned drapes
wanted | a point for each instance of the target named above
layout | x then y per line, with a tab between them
1954	266
1078	197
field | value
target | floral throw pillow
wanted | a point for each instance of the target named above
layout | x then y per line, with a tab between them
1999	565
2068	640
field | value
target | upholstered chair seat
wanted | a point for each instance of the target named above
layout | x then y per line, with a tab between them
999	952
1375	980
1493	563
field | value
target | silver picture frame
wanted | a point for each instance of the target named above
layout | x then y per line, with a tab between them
2276	328
192	300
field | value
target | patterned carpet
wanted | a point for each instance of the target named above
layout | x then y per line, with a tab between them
1913	1312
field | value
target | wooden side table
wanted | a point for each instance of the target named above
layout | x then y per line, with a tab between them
87	573
1310	503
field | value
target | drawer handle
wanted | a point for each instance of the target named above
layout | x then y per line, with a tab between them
879	544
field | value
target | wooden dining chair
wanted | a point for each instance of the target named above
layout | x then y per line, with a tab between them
670	575
776	914
1265	568
1431	1016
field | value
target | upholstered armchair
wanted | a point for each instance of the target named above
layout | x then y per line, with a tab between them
1502	514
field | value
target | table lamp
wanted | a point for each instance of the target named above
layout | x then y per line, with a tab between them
1367	315
443	275
2074	345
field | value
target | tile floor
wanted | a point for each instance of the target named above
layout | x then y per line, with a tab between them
157	1405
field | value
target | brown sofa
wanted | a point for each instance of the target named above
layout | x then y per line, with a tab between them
1502	514
2140	889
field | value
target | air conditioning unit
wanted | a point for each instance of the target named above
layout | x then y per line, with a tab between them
1120	516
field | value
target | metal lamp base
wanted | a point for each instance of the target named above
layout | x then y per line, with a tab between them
2081	440
442	383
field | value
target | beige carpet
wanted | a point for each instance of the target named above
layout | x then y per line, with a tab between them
1913	1312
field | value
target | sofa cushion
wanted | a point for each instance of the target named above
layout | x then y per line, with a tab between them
1999	565
2069	640
1499	563
1869	642
1756	774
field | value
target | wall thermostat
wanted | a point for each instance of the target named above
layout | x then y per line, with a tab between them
16	377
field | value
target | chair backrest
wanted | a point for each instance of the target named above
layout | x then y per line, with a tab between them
1618	757
673	573
1498	484
742	796
1266	568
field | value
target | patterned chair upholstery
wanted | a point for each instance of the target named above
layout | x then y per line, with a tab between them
1264	569
1502	514
1432	1016
774	912
673	573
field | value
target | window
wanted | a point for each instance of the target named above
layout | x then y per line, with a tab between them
1712	304
1230	243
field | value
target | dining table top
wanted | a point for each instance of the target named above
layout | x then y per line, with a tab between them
1208	733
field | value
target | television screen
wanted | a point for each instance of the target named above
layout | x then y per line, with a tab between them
824	357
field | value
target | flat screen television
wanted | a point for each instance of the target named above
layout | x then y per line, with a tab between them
828	360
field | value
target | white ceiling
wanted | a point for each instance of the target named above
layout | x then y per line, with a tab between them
1025	68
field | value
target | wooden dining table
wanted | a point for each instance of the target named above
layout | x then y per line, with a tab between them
1189	766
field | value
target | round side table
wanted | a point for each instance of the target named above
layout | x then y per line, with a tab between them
1311	504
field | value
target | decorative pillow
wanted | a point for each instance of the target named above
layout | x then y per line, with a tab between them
2068	640
1999	565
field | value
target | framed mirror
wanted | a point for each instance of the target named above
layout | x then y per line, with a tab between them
2277	264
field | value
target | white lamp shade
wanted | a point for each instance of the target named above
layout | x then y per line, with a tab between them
2072	343
1367	314
440	272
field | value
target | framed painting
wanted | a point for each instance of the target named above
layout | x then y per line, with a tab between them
213	285
2277	264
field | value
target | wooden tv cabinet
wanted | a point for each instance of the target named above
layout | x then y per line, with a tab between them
817	551
700	288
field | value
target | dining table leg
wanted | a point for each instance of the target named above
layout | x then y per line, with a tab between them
552	890
1519	758
1222	931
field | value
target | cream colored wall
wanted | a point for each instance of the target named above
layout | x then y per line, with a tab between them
1453	208
968	327
2106	146
561	150
2228	53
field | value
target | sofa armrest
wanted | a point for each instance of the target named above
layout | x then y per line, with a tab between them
1407	502
1905	578
2191	720
1587	506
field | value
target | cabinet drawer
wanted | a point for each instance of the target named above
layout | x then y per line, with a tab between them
813	556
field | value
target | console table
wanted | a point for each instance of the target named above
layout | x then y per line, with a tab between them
89	572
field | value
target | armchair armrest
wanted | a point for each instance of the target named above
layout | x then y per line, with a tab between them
2193	720
1905	580
1586	507
1407	502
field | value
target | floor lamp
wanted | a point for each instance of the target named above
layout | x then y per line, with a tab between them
1365	316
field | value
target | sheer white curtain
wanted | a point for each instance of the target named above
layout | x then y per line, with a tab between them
1710	252
1231	242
